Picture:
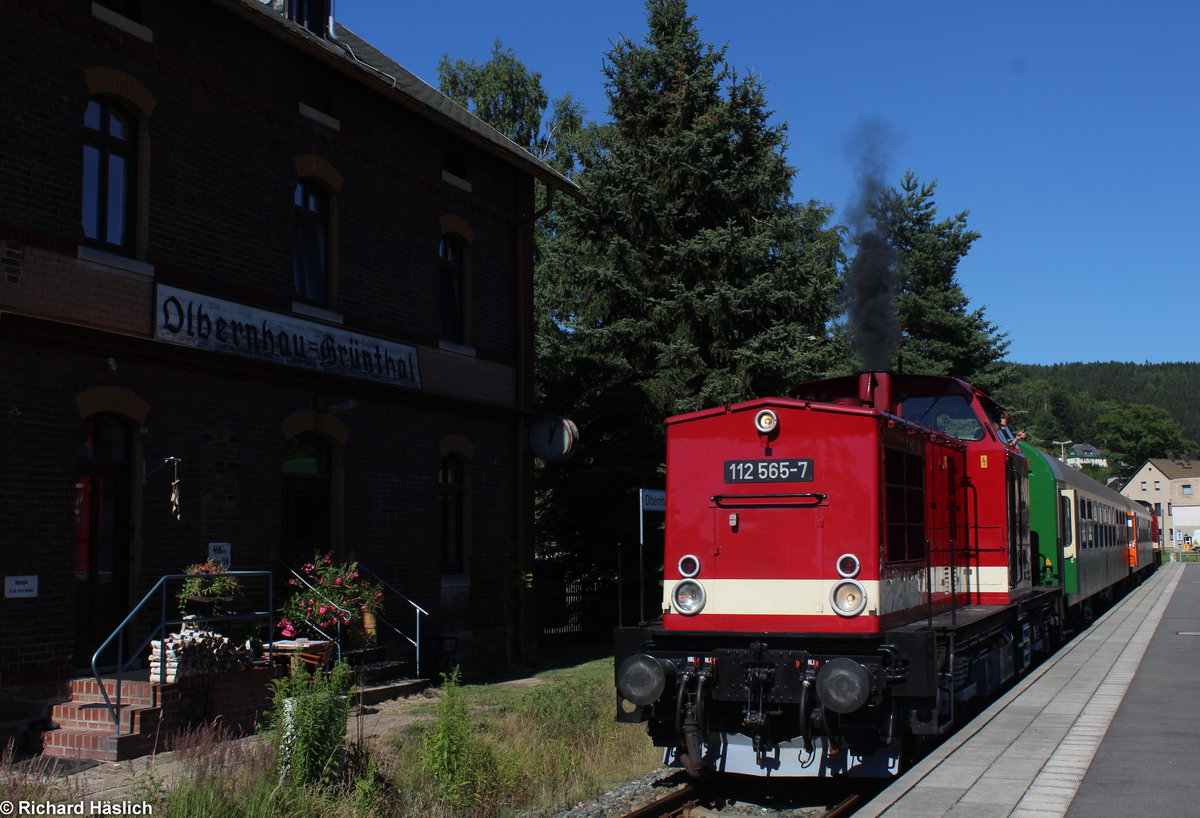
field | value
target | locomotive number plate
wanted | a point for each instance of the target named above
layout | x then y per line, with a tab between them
796	470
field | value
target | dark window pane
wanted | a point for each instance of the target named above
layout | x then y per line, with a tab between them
117	125
310	265
108	163
115	205
451	304
93	117
91	192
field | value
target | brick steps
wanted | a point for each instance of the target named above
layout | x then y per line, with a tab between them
151	714
382	673
75	715
99	745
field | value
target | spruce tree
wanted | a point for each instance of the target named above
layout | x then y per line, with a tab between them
685	277
940	334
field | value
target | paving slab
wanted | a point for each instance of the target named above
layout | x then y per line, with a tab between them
1078	736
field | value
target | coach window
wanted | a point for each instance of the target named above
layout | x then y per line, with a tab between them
1186	488
109	163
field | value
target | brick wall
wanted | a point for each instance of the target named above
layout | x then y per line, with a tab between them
219	150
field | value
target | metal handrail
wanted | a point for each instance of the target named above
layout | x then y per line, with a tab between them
114	710
414	641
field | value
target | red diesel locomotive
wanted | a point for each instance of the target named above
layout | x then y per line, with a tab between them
847	573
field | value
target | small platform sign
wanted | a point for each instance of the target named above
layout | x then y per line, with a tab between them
221	553
18	587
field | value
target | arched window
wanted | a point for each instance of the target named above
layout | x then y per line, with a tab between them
109	162
452	497
310	264
452	287
307	498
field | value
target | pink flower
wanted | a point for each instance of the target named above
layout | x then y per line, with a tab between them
337	581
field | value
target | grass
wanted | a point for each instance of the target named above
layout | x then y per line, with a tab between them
481	750
36	780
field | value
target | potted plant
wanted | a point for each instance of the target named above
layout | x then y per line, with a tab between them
206	588
332	594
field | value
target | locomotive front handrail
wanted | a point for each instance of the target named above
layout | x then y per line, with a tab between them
813	499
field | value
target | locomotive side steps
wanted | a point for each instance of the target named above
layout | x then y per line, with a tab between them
1093	730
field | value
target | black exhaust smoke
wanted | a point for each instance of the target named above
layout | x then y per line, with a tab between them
870	287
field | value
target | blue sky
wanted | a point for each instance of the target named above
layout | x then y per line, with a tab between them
1067	128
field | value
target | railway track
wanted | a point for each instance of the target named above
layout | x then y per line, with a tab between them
703	801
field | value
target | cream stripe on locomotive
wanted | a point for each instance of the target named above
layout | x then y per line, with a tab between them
811	597
797	597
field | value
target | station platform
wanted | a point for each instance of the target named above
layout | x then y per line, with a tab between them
1108	726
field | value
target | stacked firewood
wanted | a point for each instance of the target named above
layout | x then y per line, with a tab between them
194	652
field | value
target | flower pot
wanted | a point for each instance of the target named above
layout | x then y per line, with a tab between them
369	626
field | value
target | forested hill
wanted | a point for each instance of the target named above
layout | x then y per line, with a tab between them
1173	387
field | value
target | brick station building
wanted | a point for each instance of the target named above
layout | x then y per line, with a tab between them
249	257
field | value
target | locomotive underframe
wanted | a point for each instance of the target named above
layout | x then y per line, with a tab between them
869	697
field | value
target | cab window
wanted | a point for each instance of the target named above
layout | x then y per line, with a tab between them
950	414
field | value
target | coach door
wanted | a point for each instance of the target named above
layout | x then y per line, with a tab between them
100	552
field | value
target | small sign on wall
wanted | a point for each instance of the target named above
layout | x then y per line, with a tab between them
221	553
17	587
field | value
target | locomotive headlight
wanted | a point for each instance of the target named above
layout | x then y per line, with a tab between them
848	597
688	597
689	565
767	422
847	565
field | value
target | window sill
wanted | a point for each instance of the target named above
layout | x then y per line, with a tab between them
457	181
122	22
320	116
113	260
312	311
458	349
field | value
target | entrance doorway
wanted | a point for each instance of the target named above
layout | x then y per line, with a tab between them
306	499
100	553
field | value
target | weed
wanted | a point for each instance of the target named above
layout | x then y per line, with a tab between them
309	714
35	780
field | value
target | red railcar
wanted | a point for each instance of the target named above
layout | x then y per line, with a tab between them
845	571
